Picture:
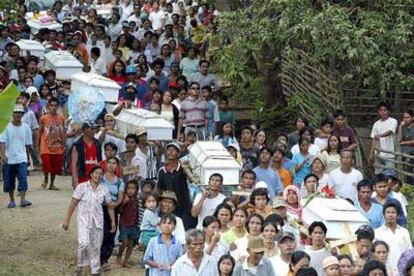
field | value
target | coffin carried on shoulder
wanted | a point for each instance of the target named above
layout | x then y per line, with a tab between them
107	87
129	120
337	214
64	63
208	157
31	47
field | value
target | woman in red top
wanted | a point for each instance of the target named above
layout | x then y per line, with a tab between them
118	72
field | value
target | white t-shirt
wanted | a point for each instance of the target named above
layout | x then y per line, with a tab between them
219	250
157	19
345	184
322	143
386	143
16	139
241	250
209	206
314	150
280	267
317	257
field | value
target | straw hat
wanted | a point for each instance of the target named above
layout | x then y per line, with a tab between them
256	244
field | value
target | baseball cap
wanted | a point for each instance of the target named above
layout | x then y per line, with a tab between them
131	69
286	235
31	90
278	202
256	244
329	261
168	195
261	184
18	108
173	144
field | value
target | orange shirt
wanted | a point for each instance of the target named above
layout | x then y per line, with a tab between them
52	134
285	177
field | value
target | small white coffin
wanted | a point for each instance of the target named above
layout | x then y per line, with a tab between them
335	213
36	24
64	63
157	127
107	87
208	157
31	47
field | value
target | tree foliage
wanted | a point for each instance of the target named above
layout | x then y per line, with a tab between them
366	43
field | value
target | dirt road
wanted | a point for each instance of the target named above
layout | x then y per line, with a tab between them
31	240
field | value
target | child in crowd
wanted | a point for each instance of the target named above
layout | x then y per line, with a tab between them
226	265
259	200
325	131
150	220
128	223
242	195
225	114
163	250
396	185
302	161
234	150
147	186
226	134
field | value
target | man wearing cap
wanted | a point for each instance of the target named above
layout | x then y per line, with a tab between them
52	143
267	174
85	154
172	177
287	246
167	205
330	266
14	146
255	263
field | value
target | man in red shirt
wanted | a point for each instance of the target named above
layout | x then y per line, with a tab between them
85	154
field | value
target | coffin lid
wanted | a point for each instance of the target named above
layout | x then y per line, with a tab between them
334	209
144	118
62	59
26	44
95	80
212	154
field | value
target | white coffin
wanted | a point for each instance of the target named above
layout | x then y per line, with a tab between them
35	24
33	47
104	10
107	87
64	63
157	127
208	157
334	213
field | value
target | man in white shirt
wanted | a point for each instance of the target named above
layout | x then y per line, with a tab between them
287	246
14	146
206	202
317	250
382	135
344	179
397	237
157	18
195	262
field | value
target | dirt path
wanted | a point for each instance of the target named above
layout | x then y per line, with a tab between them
31	240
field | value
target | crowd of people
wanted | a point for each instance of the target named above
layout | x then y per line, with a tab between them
137	194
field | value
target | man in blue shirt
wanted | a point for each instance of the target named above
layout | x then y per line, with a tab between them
212	109
267	174
372	211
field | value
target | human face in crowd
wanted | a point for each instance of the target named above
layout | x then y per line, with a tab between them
363	247
340	122
281	211
167	97
14	51
206	94
265	157
303	263
32	66
109	123
376	272
381	253
151	203
96	176
130	145
269	233
307	135
246	135
255	226
196	247
260	137
364	194
227	129
28	82
89	132
304	147
407	119
167	206
131	190
111	165
143	139
109	152
383	113
260	202
247	181
277	156
118	67
300	124
194	90
287	246
345	267
204	68
327	128
333	142
224	216
318	167
332	270
382	189
17	117
391	216
255	257
239	219
292	198
346	159
223	105
167	227
158	69
21	73
215	183
318	237
211	229
310	184
226	266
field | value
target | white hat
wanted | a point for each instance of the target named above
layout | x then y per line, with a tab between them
18	108
261	184
31	89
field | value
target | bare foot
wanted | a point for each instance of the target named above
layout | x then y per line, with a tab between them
126	265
